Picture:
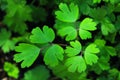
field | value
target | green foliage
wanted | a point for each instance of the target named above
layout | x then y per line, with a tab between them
90	52
85	26
68	13
69	32
75	48
76	63
38	73
5	42
82	38
53	54
17	13
25	49
11	69
42	37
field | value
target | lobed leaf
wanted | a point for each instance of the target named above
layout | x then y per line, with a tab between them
74	49
53	55
28	53
85	26
67	13
45	36
107	27
89	55
69	32
76	63
38	73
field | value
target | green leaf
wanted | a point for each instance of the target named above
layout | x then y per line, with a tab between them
76	63
85	26
53	55
96	1
67	13
90	58
37	73
107	27
9	45
11	70
69	32
45	36
89	55
111	50
103	63
17	13
5	43
100	42
96	13
4	36
74	49
27	54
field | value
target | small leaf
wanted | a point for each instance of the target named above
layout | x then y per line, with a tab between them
88	24
37	73
9	45
111	50
84	34
76	63
90	58
96	1
107	27
67	13
28	54
74	49
4	36
89	55
100	42
46	36
69	32
53	55
92	48
85	26
11	70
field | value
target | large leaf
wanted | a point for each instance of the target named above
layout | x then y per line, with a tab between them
74	49
89	55
69	32
85	26
76	63
37	73
27	54
67	13
53	55
45	36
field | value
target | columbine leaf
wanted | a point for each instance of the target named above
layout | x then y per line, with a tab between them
5	43
53	55
69	32
9	45
111	50
76	63
74	49
67	13
27	54
11	69
85	26
96	1
4	36
37	73
45	36
89	55
107	27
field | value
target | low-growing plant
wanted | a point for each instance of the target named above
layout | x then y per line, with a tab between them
82	44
